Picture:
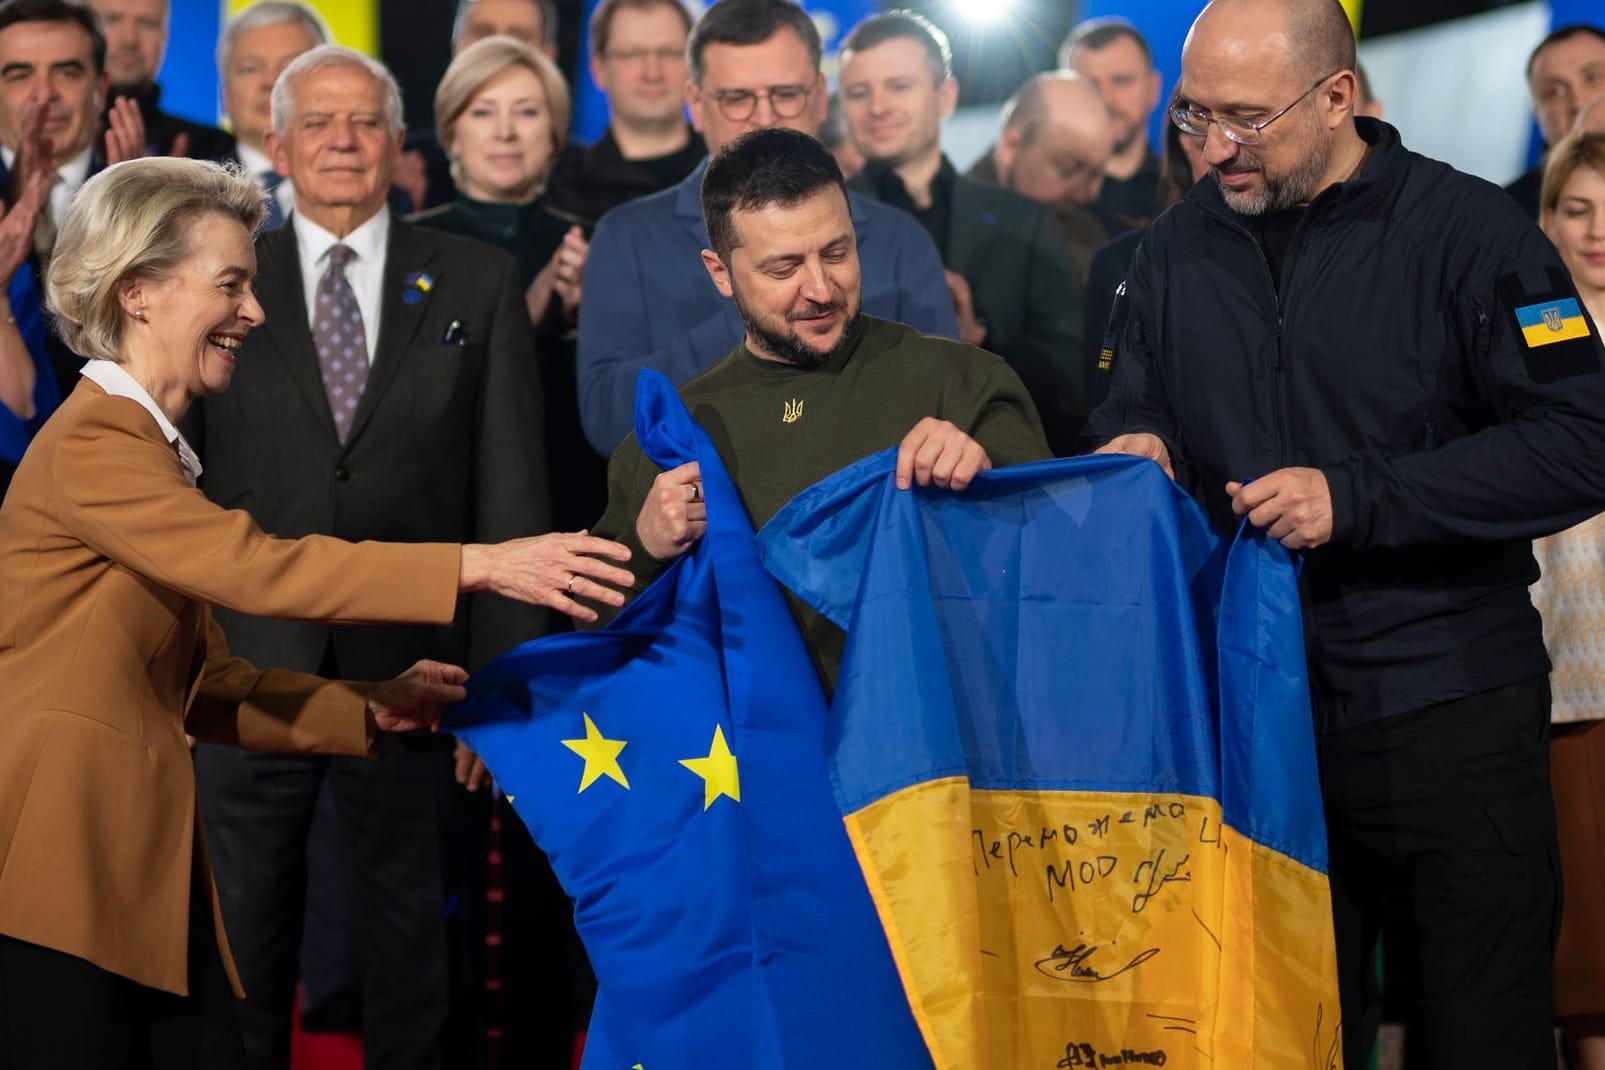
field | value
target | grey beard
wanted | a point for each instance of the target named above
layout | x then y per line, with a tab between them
1298	186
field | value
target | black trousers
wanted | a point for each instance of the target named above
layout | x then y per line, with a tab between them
59	1012
392	812
1442	843
547	984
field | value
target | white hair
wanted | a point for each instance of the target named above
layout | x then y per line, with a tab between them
267	13
321	58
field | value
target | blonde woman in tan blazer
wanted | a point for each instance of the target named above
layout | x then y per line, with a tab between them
111	952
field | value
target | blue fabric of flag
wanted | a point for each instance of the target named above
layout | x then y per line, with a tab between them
727	929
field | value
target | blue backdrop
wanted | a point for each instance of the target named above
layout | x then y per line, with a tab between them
190	88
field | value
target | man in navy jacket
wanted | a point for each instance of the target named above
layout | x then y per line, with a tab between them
1393	353
648	303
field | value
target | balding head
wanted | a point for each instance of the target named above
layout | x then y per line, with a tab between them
1281	73
1300	39
1056	138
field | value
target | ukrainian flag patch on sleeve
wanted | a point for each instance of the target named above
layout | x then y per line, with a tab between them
1549	322
1554	338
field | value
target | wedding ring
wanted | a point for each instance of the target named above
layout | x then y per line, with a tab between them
570	587
696	492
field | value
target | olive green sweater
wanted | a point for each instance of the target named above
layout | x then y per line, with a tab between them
781	428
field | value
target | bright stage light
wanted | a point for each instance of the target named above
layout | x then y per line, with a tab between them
982	12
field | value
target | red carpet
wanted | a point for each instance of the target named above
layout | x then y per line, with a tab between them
338	1051
341	1051
322	1051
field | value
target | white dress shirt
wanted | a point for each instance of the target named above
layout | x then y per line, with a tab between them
257	163
114	379
365	271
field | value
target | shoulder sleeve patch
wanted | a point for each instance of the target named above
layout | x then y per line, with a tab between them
1553	334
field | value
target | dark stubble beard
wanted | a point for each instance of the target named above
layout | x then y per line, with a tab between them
789	345
1277	193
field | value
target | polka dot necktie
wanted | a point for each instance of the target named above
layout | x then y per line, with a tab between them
341	343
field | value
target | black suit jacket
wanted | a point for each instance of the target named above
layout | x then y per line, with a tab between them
1528	190
446	444
1012	253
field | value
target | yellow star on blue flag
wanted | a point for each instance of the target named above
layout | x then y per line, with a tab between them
601	755
717	770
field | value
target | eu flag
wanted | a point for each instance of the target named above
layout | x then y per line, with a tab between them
672	766
1072	745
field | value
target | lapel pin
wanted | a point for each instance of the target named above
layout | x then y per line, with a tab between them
417	285
455	334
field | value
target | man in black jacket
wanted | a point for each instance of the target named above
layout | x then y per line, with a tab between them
1013	285
638	61
136	41
1396	357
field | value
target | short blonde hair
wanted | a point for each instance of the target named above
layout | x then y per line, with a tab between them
1580	148
478	64
133	220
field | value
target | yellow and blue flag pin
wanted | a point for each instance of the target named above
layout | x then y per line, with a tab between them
418	284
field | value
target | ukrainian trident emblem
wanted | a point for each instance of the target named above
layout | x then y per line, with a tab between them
1552	319
793	411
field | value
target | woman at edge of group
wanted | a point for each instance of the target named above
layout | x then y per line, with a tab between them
111	952
1571	597
502	116
502	113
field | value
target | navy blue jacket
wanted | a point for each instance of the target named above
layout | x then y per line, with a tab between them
1393	360
650	304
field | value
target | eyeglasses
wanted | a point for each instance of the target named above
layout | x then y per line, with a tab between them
1195	122
641	55
786	101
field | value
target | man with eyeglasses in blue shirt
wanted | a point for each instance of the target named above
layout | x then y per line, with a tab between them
1382	363
752	64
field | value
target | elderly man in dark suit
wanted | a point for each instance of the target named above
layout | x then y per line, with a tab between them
392	396
1010	273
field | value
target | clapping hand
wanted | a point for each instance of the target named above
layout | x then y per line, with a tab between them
36	156
17	224
561	277
125	131
971	328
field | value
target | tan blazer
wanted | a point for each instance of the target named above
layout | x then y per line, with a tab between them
108	654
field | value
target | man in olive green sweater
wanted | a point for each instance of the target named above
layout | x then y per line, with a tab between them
814	385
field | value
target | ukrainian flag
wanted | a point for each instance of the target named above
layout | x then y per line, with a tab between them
1551	321
1073	747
